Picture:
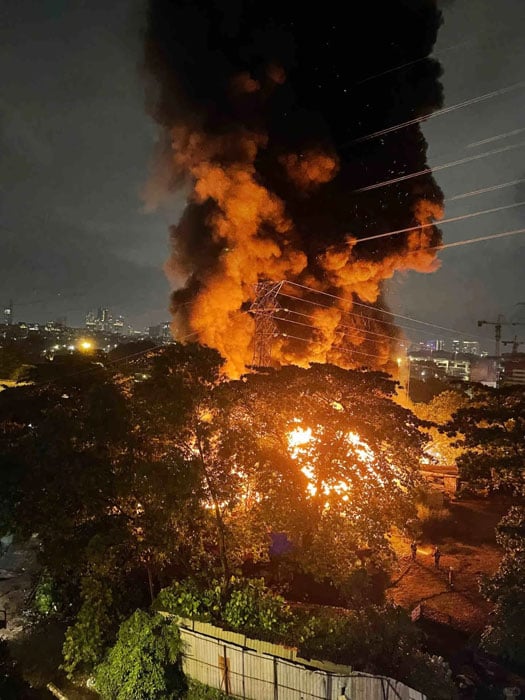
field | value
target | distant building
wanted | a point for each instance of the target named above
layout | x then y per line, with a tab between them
8	314
160	332
485	370
467	347
102	320
118	324
427	364
91	320
513	369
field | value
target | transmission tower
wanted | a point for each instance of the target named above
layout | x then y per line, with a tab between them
264	308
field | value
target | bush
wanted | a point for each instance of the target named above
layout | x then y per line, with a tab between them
199	691
94	628
184	598
380	640
145	662
254	608
45	600
248	605
435	522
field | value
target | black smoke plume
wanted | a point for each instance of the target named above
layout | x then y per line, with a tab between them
261	106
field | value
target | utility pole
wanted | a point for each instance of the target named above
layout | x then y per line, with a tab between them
497	329
263	308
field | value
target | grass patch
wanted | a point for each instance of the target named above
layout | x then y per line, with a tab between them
199	691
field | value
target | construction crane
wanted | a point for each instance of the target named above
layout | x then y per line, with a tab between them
497	329
515	344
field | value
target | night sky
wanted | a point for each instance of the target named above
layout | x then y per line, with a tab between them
77	143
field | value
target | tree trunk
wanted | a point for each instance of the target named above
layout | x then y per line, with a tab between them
150	583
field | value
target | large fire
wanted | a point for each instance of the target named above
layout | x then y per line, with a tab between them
303	447
262	135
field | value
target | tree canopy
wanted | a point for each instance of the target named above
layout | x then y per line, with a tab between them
505	634
491	432
161	469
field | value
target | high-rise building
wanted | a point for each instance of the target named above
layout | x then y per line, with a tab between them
8	313
102	320
160	332
118	324
91	320
470	347
436	345
467	347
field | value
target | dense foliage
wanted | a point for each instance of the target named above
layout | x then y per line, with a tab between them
249	606
380	640
161	470
491	432
144	662
505	634
437	413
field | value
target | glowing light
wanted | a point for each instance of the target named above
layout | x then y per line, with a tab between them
301	442
85	345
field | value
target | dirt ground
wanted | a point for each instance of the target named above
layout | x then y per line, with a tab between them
470	550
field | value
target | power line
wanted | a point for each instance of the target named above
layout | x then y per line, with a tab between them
482	190
412	63
467	241
396	326
498	137
450	220
373	308
437	168
440	112
355	329
337	330
336	349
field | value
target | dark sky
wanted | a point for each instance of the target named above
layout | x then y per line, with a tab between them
481	280
76	144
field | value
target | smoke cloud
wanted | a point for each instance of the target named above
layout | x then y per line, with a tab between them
260	108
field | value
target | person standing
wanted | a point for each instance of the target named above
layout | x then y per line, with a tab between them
437	557
413	549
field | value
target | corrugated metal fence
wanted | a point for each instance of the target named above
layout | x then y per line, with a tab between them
255	674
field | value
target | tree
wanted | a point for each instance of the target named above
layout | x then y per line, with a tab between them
145	661
379	640
88	638
344	461
492	427
439	412
505	635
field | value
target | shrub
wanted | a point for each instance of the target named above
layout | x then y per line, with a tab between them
87	639
254	608
199	691
145	661
45	599
248	605
185	599
435	522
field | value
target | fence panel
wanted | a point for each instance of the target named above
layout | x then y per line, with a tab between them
245	673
